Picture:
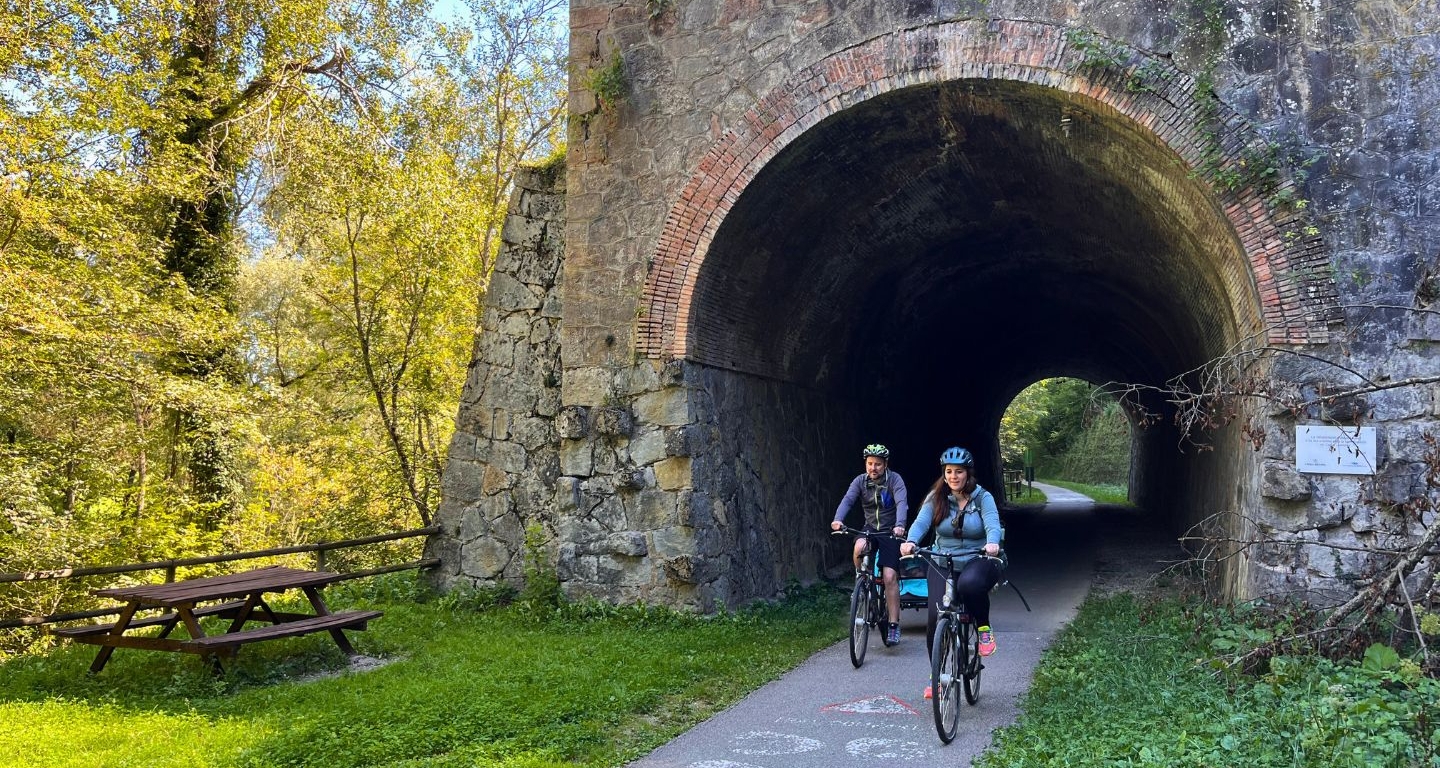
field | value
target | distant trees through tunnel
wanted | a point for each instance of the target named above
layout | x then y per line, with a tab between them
1068	429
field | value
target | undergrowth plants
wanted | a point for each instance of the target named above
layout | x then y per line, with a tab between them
1128	663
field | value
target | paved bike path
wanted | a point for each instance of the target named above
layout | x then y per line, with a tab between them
827	713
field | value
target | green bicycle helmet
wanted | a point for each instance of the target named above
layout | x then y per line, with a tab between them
957	455
877	450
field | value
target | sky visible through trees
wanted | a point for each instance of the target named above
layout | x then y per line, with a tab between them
243	248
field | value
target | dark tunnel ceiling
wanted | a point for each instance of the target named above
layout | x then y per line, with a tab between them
1013	216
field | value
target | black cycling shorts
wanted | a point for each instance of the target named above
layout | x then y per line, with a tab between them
886	548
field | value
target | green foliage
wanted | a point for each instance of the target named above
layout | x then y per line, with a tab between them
1429	622
1028	495
1100	453
1075	430
608	83
1149	77
400	586
1087	708
541	593
584	686
1274	170
1020	424
305	349
1096	52
1099	55
477	599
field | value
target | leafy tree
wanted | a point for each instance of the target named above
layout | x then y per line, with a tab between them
87	310
125	130
1019	424
509	90
1100	453
391	208
157	167
1076	430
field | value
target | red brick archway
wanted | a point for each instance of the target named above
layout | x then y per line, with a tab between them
1295	298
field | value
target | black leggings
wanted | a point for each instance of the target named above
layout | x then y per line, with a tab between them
972	586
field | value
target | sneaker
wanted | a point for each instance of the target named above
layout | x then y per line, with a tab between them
892	637
928	692
987	641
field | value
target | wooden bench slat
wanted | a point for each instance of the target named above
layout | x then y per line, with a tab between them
305	626
269	579
227	610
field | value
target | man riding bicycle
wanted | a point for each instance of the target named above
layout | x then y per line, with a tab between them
886	508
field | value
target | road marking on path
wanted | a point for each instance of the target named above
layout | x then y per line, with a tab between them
772	743
886	749
721	764
886	704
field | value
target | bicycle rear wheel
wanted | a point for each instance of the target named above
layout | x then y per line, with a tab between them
859	622
970	647
945	657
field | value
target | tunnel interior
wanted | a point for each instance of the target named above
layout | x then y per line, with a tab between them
921	257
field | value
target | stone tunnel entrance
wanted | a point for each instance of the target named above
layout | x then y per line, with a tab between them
924	256
888	246
915	261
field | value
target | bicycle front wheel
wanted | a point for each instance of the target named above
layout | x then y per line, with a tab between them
859	622
945	673
970	646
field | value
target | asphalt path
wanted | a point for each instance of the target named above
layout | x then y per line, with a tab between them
827	713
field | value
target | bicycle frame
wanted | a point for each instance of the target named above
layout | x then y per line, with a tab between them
955	648
869	606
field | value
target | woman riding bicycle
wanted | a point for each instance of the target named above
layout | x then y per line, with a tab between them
886	506
966	521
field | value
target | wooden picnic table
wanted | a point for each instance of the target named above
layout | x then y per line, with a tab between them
239	597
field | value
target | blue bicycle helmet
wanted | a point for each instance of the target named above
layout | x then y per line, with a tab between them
957	455
877	450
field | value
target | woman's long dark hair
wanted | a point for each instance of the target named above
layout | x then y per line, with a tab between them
939	496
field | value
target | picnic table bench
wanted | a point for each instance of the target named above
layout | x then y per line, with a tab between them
179	601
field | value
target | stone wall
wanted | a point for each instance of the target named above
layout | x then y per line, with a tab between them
504	456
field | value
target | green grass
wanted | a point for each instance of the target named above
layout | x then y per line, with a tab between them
1027	495
595	687
1132	683
1105	494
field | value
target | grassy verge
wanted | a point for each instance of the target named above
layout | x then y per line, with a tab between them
1027	495
592	686
1105	494
1132	683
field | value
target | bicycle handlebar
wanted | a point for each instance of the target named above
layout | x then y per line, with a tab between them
845	529
950	556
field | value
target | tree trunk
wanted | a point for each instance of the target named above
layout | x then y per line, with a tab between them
199	251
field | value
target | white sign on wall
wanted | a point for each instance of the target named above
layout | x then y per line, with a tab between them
1335	450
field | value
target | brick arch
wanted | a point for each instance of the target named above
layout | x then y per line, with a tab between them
1295	294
